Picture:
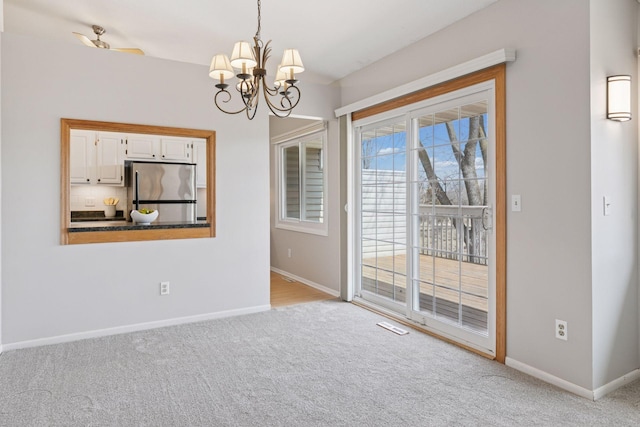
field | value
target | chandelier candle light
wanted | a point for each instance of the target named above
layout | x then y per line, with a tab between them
251	64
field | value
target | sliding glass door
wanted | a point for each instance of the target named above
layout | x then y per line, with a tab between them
426	194
383	207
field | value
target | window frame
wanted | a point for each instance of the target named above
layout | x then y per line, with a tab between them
69	238
300	139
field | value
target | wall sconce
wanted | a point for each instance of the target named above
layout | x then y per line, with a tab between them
619	98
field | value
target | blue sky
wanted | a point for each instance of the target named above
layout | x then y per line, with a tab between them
389	152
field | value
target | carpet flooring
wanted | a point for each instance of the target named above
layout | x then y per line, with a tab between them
319	364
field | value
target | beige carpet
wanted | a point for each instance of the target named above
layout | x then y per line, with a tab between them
318	364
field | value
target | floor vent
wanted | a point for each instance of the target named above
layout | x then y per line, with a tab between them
392	328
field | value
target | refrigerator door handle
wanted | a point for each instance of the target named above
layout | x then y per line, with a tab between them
137	192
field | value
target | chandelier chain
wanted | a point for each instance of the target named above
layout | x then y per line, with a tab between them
259	16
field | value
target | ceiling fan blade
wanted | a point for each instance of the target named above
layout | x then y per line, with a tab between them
129	50
84	39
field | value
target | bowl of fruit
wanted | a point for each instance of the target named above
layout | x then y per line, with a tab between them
144	216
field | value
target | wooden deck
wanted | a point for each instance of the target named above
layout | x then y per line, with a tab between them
285	292
446	282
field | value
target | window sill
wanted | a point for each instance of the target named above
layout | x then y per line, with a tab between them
300	228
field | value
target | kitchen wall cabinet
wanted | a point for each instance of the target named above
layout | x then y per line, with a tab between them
109	161
96	158
142	147
174	149
80	156
154	148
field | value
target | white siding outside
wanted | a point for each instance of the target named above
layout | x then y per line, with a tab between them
384	225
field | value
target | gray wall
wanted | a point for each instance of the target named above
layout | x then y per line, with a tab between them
50	290
314	258
550	252
614	173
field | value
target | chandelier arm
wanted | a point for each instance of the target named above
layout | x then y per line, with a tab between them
251	101
278	112
271	91
251	112
286	102
215	100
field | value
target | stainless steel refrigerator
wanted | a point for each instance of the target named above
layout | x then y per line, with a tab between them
168	187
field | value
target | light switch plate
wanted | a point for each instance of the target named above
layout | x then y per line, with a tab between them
516	203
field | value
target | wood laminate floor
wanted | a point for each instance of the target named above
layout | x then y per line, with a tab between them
285	292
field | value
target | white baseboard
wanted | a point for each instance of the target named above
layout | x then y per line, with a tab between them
615	384
133	328
315	285
551	379
569	386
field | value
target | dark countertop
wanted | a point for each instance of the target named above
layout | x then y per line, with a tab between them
84	216
102	225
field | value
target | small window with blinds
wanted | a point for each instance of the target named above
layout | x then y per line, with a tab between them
302	183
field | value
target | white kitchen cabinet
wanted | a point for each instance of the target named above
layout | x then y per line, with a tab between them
155	148
98	157
95	158
142	147
109	158
199	147
81	149
175	149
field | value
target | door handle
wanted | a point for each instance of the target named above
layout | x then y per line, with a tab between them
487	220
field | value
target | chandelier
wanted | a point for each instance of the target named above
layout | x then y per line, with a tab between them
250	63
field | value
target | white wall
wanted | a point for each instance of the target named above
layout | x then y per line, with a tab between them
548	163
614	173
50	290
314	258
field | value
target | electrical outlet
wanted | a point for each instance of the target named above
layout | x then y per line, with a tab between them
89	201
562	333
289	252
164	288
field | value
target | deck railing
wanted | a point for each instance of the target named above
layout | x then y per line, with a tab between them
453	232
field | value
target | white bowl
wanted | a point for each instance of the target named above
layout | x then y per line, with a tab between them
144	219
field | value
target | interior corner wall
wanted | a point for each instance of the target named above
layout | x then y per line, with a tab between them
614	174
548	164
314	258
50	290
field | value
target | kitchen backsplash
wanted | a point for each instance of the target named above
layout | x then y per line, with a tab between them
90	197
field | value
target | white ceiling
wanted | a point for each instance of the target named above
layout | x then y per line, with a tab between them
335	37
